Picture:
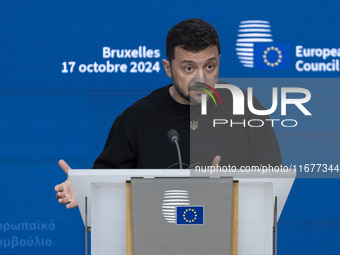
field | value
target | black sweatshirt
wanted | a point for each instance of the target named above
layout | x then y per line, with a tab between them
138	137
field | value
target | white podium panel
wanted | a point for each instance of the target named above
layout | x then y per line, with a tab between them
256	217
108	218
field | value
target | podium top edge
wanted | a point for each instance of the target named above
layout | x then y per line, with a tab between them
129	172
173	173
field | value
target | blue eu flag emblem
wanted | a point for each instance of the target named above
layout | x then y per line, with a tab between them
189	215
271	56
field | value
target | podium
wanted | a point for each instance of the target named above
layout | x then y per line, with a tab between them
101	196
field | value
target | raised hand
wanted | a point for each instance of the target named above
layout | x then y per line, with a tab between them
65	194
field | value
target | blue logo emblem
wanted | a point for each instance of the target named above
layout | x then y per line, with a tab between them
271	56
189	215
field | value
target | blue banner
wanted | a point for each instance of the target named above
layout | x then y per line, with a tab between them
69	68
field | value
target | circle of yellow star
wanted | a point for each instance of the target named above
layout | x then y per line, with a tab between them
190	220
279	56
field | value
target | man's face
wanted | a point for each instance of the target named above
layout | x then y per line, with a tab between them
189	70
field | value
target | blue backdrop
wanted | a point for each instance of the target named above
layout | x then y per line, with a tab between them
59	95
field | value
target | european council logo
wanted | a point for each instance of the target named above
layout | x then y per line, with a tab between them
172	199
189	215
255	47
272	56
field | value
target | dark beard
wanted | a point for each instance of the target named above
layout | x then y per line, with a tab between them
181	93
189	98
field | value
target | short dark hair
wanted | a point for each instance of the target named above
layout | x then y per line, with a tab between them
191	35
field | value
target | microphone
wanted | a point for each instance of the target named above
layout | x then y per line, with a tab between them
173	135
174	138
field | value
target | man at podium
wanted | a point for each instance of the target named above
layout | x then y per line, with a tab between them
138	137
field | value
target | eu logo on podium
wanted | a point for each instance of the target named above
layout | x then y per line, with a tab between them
189	215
